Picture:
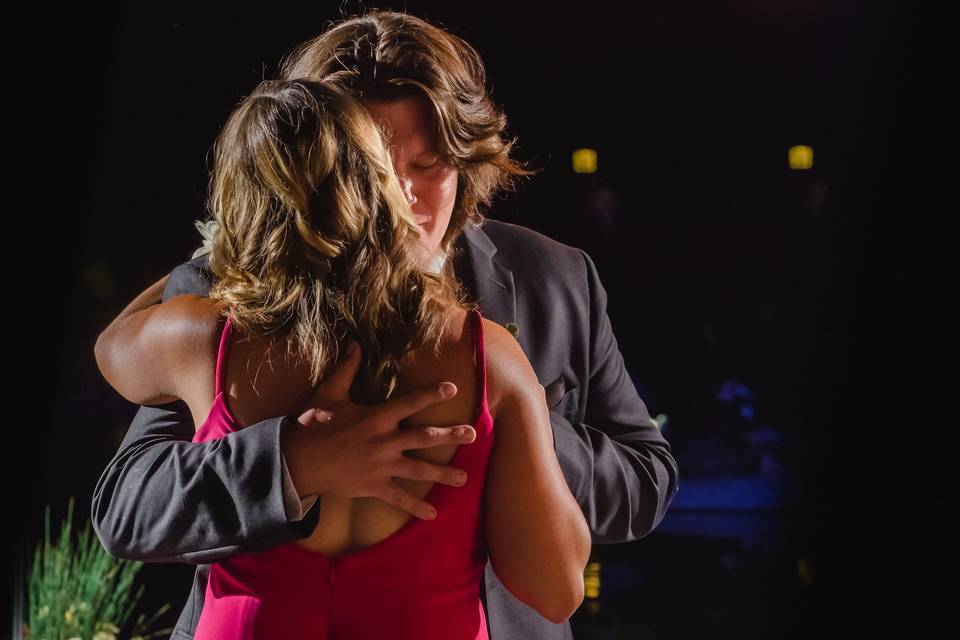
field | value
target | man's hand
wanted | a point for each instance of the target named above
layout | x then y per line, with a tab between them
350	450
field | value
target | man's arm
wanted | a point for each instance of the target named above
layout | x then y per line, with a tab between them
164	498
617	464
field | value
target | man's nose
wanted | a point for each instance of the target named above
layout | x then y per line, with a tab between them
407	185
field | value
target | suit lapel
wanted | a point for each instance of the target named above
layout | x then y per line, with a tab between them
489	283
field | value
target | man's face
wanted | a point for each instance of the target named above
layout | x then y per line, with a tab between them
429	184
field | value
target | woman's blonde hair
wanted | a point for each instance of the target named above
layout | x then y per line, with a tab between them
385	55
316	239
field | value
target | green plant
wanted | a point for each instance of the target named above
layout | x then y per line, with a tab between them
77	591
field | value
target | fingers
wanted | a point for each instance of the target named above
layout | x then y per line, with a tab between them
426	437
336	386
413	401
314	416
405	501
411	469
426	472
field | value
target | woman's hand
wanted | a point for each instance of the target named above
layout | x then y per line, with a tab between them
341	448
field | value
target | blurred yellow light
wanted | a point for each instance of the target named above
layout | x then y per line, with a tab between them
805	571
800	157
591	580
584	161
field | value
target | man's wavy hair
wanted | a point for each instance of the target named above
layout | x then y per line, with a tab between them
316	239
387	56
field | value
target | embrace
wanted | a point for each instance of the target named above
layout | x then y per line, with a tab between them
337	429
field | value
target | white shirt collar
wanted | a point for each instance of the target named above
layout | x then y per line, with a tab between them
435	264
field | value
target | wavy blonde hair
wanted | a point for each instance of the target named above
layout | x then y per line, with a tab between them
385	55
316	239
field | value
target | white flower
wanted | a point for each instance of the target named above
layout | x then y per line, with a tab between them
207	231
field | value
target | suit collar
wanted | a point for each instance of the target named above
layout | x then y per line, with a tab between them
487	279
479	240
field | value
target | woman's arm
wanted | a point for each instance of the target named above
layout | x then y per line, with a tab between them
537	536
149	350
157	457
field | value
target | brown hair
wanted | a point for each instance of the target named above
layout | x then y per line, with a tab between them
385	56
316	237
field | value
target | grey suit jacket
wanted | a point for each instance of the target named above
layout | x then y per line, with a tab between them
163	498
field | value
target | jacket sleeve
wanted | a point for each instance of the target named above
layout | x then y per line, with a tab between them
164	498
616	463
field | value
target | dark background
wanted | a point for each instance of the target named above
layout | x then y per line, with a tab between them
825	292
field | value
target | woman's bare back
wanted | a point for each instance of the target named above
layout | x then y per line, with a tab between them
262	381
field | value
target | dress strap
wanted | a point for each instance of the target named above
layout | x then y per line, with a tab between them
222	352
479	356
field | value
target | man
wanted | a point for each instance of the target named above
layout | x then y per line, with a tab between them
164	498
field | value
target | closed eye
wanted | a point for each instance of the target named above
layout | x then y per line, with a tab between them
427	165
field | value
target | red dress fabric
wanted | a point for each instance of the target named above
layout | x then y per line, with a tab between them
422	582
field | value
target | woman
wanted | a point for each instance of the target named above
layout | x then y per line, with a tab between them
317	248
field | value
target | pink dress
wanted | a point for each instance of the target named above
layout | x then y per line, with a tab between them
422	582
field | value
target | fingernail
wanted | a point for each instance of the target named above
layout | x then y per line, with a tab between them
461	479
447	389
465	433
431	514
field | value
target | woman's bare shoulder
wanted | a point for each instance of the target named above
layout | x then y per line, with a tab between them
190	324
508	368
160	352
504	350
193	306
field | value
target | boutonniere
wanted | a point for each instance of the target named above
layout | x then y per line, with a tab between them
514	329
207	231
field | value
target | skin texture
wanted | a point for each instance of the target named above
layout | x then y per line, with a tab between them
538	539
176	344
528	502
155	353
429	184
